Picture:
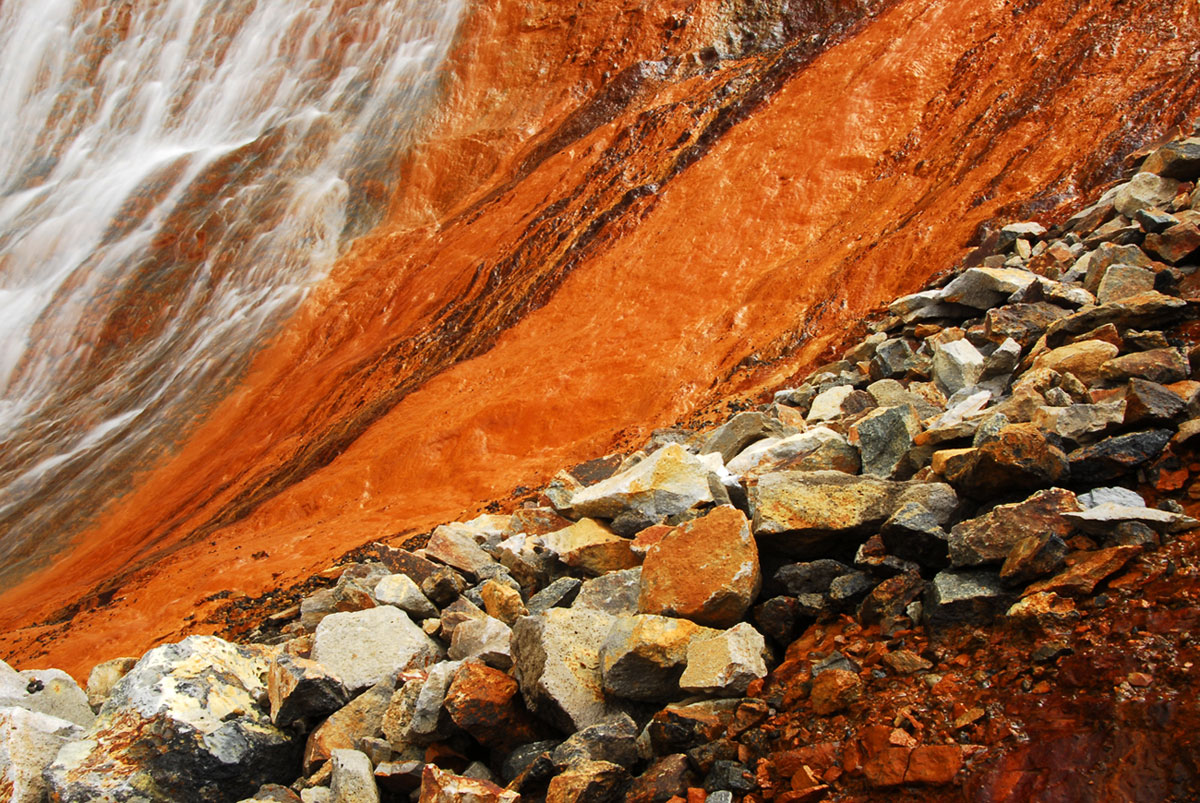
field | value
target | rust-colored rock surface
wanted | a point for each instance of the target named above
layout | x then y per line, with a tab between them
608	226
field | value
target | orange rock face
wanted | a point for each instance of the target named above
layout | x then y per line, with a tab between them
606	228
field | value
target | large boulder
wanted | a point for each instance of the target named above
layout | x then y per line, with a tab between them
556	660
806	514
667	482
705	570
186	723
988	539
28	743
364	647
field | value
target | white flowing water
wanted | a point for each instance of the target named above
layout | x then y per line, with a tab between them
173	175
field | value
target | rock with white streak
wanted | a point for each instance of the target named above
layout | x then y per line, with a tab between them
186	723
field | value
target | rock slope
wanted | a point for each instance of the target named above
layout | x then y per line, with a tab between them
693	192
956	562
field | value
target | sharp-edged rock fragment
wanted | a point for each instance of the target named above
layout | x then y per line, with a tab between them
104	677
502	601
958	596
1019	458
486	703
302	689
725	664
365	647
643	656
883	437
1156	365
486	639
740	431
705	570
184	724
1087	570
455	545
442	786
29	741
588	782
591	547
814	449
667	482
559	594
614	740
956	365
984	288
1178	160
1144	190
807	514
615	593
557	663
990	538
1116	456
1083	359
352	779
401	591
361	718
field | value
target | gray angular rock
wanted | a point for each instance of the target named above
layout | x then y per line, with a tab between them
1116	456
956	365
556	661
455	545
426	716
1144	190
299	688
815	449
29	741
1121	281
915	533
615	593
964	597
989	538
883	437
984	288
559	594
364	647
742	430
352	779
186	723
401	591
614	740
812	577
667	482
828	403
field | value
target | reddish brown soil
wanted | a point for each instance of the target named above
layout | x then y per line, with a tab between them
566	265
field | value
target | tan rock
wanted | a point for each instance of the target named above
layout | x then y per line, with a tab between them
725	664
833	690
591	547
667	482
103	677
442	786
1083	359
705	570
502	601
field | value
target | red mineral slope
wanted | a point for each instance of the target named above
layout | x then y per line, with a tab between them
606	225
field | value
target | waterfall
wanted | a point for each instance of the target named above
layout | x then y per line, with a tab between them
174	175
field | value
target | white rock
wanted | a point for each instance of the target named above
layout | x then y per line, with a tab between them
352	779
957	365
364	647
28	743
47	691
667	482
828	404
725	664
1113	495
1099	519
486	639
401	591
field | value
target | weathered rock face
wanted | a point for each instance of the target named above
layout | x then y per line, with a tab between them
28	743
187	723
583	180
364	647
705	570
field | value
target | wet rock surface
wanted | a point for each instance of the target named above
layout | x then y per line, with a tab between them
1010	559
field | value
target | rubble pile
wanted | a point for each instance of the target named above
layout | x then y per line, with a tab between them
809	602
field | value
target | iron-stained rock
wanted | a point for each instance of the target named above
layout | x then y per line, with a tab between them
361	718
1018	459
486	703
990	538
29	741
1144	190
588	782
705	570
1116	456
443	786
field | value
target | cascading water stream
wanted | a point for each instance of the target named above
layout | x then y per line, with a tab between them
174	174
